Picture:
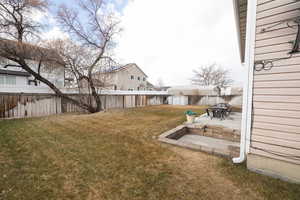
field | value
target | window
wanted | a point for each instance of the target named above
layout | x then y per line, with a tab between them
132	77
2	80
144	79
138	88
8	80
139	78
11	80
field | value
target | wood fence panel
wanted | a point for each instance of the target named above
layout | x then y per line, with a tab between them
19	105
27	105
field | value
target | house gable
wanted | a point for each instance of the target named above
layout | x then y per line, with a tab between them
53	65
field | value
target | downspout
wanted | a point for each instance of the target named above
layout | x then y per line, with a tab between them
247	91
242	156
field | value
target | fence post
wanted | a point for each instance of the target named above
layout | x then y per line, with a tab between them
123	96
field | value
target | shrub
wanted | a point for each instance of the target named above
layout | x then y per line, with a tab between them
189	112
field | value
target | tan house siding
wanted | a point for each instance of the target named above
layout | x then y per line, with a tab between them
120	79
124	82
276	92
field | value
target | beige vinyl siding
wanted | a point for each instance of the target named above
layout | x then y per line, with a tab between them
274	127
275	106
276	99
264	5
276	92
279	84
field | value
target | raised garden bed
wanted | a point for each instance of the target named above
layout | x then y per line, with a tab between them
212	139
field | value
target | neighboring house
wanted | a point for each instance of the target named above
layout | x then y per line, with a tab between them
127	77
269	42
13	76
204	95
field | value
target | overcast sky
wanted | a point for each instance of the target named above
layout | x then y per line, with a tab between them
170	38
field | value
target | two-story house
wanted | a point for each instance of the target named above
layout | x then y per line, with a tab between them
11	75
127	77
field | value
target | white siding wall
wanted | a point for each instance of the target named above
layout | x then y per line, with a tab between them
21	80
16	81
56	76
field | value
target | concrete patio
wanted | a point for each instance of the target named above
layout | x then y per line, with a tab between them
233	121
220	137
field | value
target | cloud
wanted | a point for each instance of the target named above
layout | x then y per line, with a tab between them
170	38
120	3
52	30
37	15
54	33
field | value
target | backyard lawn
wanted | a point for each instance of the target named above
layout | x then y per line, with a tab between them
114	155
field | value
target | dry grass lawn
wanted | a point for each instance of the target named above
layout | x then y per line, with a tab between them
115	155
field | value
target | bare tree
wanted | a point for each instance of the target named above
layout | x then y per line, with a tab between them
93	36
211	75
78	60
15	21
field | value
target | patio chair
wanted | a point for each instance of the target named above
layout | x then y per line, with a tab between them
228	111
227	106
210	113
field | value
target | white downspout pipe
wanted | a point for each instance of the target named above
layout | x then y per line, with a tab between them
248	85
242	156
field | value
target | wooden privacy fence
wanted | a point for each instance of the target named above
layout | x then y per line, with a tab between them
19	105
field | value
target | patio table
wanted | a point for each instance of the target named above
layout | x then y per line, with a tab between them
218	111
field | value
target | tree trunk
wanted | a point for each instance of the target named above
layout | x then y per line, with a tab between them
95	96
